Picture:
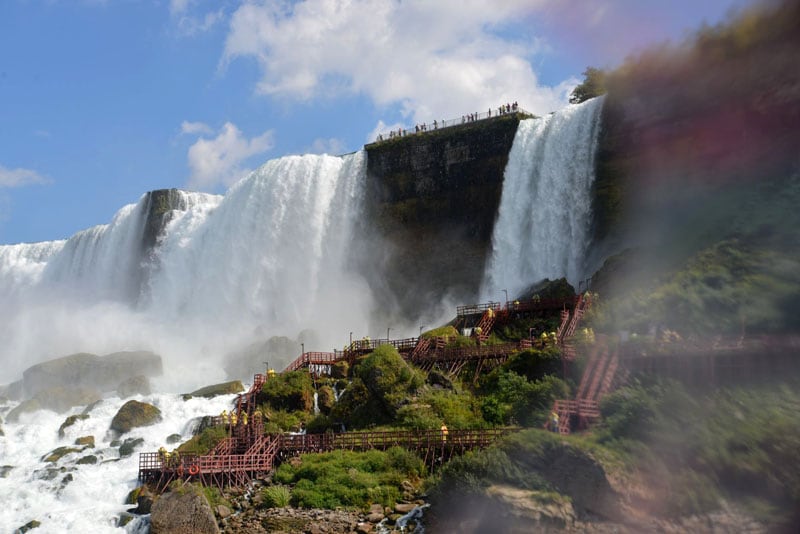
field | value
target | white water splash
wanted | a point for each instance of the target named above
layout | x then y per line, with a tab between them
69	497
542	228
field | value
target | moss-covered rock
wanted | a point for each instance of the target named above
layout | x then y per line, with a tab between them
173	438
208	392
30	525
89	459
183	512
56	454
533	460
288	391
340	370
85	441
383	383
135	414
325	399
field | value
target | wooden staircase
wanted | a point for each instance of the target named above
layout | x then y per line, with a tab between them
597	380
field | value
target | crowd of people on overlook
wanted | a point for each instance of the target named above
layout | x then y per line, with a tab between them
471	117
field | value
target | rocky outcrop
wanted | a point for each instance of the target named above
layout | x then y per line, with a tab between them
428	193
182	513
135	414
58	399
101	373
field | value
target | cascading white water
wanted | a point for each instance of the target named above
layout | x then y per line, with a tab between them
269	256
272	254
545	208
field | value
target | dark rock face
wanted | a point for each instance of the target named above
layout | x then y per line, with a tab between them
90	371
159	205
189	513
433	199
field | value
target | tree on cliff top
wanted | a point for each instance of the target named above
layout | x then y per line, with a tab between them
594	84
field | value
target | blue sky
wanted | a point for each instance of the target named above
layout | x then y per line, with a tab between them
101	101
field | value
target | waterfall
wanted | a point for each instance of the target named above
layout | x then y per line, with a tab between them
271	257
316	403
542	227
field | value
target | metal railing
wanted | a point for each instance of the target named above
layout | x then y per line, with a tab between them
508	109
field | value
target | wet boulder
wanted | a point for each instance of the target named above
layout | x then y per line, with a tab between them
134	414
182	513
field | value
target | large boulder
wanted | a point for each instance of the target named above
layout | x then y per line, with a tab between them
208	392
58	399
135	414
103	373
182	513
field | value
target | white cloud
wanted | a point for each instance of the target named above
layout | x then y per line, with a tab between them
219	161
20	177
189	25
193	128
189	22
176	7
445	57
333	146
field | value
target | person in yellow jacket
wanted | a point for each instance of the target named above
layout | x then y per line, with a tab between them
233	419
244	418
444	433
553	422
224	417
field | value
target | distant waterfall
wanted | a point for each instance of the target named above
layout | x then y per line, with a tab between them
545	209
197	274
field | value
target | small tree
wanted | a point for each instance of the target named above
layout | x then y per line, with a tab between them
594	84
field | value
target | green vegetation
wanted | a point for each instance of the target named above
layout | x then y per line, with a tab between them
729	288
594	84
276	496
448	331
383	382
203	442
739	444
348	479
288	391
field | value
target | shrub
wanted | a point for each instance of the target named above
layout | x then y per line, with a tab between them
277	496
349	479
203	442
288	391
